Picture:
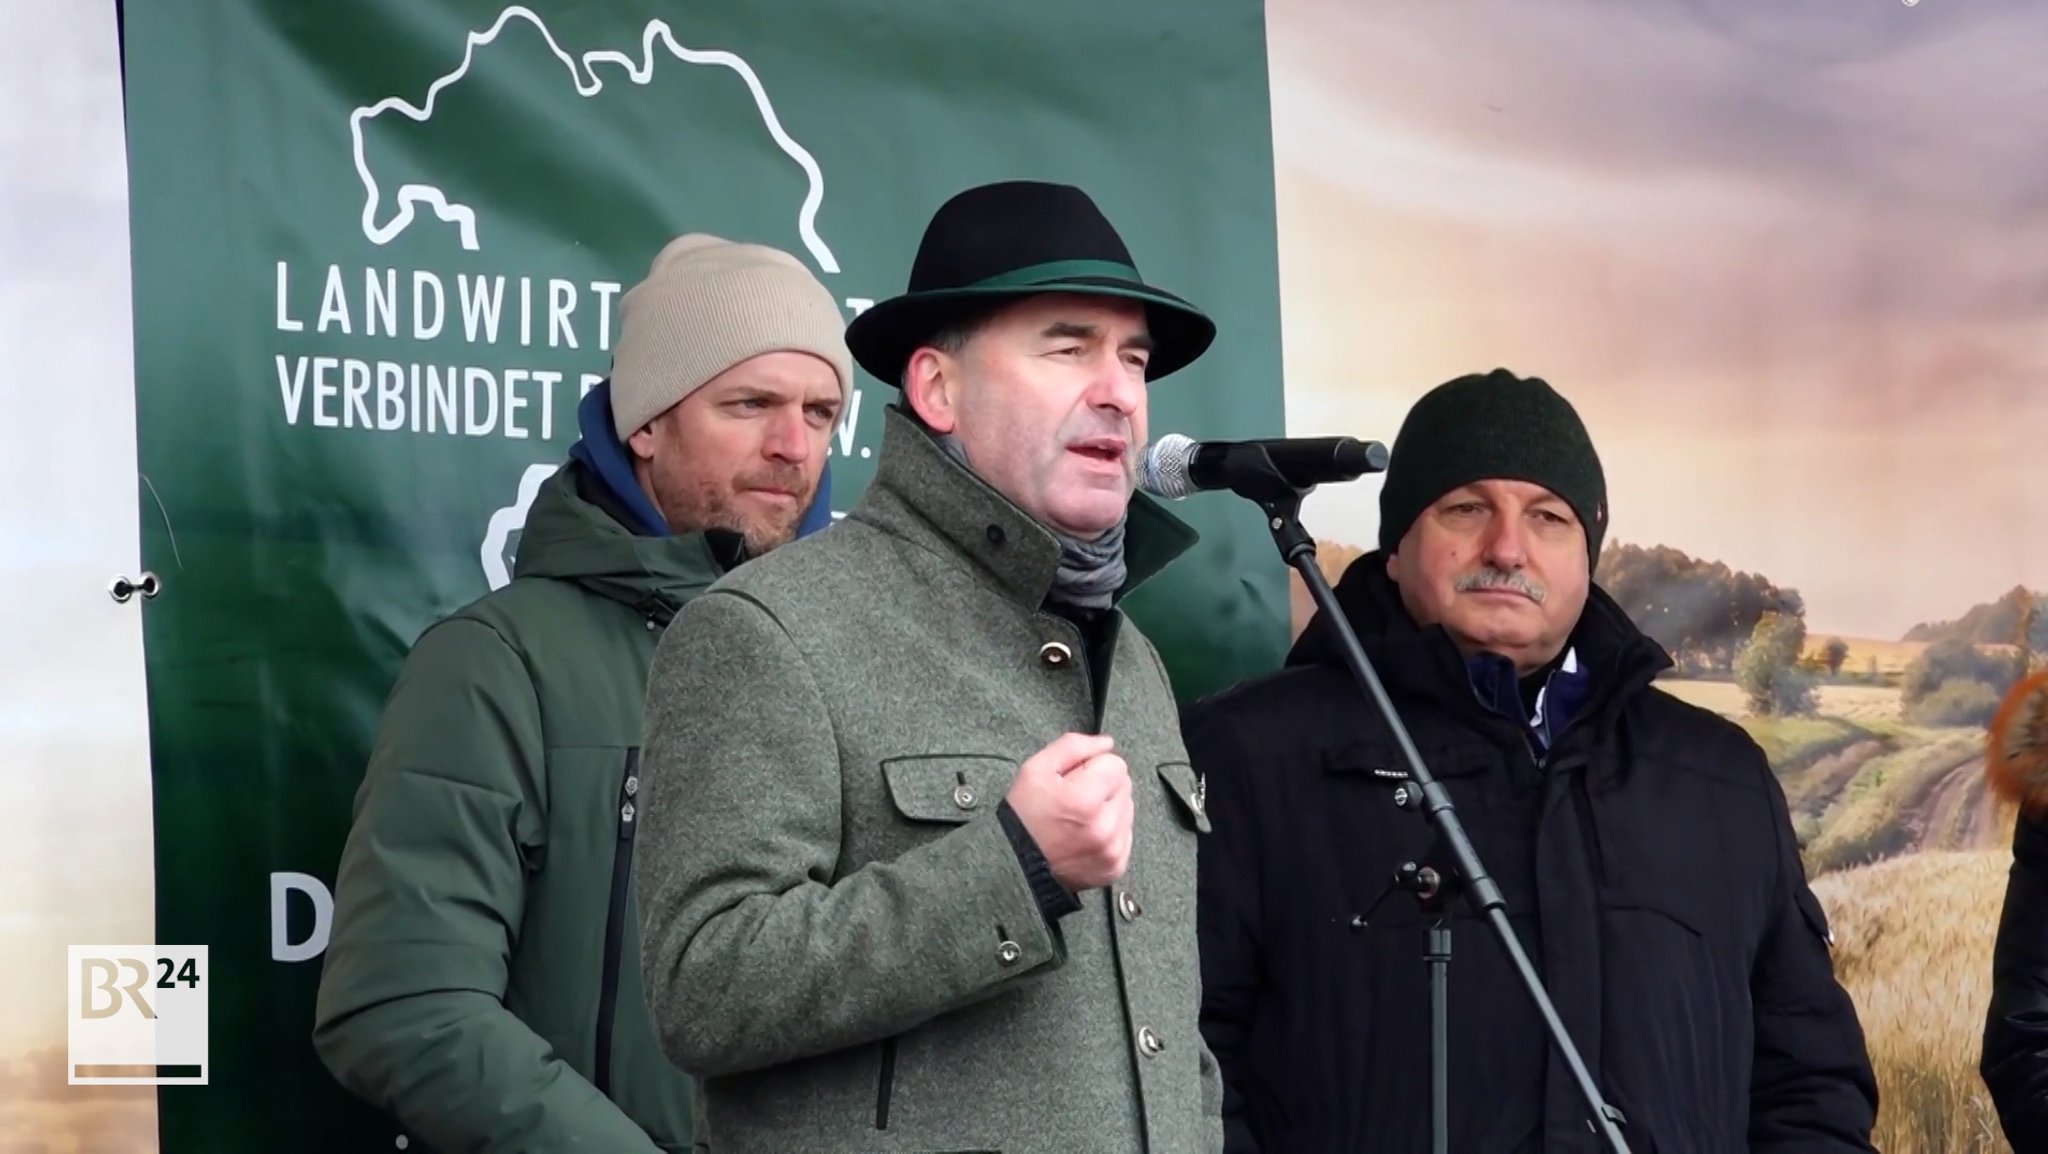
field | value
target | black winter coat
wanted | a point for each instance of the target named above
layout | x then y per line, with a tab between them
2015	1058
1648	866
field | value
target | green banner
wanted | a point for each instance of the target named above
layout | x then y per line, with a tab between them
378	251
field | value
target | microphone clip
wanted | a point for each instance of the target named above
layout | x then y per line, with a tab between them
1257	479
1432	889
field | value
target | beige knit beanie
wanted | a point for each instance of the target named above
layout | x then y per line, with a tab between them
708	304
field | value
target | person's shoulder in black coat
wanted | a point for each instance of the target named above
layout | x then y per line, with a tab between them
2014	1062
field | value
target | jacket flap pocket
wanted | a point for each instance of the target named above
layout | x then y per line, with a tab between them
954	787
1187	789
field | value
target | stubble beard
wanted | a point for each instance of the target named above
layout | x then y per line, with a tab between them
708	504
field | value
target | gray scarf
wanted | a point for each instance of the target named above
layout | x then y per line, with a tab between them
1090	572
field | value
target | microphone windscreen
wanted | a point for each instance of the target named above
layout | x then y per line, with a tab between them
2016	748
1163	471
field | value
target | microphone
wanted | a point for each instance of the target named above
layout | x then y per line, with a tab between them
1176	465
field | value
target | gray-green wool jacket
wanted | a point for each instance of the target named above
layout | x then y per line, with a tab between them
839	939
482	984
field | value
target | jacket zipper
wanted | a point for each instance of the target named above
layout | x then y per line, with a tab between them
886	1084
615	922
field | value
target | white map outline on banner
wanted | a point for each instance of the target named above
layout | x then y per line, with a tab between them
464	218
509	519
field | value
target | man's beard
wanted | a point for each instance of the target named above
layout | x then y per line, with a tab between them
709	504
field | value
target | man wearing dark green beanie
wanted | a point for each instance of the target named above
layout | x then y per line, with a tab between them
1473	455
1496	426
1642	845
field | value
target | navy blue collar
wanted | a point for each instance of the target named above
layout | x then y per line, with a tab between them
1563	692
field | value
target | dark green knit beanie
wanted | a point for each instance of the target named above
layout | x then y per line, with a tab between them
1493	427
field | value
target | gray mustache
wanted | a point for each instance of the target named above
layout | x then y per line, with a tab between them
1491	578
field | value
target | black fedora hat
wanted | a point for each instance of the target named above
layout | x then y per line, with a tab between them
1009	240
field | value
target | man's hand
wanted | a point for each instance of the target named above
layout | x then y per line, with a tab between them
1074	796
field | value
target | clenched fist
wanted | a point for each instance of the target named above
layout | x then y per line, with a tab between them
1074	796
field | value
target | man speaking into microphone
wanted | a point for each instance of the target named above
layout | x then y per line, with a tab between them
917	860
1641	845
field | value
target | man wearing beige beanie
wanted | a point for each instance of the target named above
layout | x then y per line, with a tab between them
482	982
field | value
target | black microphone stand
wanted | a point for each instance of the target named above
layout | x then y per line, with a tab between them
1432	892
1253	475
1433	896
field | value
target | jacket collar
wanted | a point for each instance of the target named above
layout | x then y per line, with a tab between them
1562	690
1614	659
569	536
925	497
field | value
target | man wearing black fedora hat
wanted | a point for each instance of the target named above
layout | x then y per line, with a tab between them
918	832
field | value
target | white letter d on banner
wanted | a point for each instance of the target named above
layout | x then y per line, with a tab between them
282	948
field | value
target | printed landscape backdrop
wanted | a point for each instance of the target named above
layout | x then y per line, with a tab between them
1788	261
1786	258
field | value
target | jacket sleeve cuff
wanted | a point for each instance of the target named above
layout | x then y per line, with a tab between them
1055	901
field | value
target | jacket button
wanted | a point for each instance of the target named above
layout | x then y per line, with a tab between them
963	796
1127	905
1009	952
1149	1042
1054	654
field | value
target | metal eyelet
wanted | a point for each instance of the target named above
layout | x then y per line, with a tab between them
123	589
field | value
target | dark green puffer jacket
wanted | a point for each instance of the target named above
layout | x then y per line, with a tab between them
482	984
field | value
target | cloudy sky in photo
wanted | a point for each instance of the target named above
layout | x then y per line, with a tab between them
1789	260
